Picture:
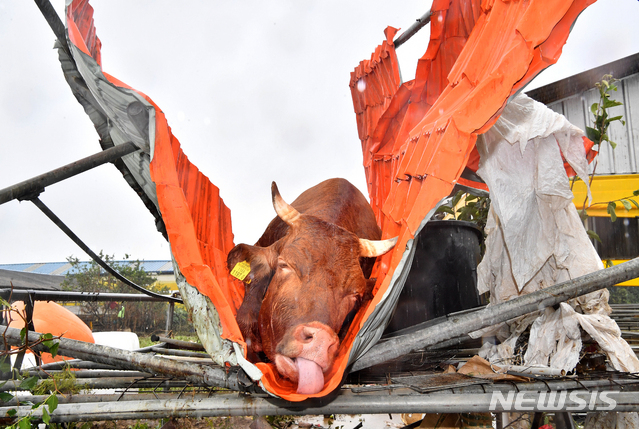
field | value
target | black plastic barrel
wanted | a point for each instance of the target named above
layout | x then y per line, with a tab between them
443	276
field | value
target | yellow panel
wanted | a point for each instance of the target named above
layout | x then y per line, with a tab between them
633	282
608	188
171	284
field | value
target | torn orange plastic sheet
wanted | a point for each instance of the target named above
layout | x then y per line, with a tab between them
416	137
480	54
197	221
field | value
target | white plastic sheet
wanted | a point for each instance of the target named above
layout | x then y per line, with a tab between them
536	238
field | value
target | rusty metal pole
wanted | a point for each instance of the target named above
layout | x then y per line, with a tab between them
169	318
34	186
417	25
468	322
235	405
124	359
54	21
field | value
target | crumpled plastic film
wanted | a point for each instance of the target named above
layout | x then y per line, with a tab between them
535	237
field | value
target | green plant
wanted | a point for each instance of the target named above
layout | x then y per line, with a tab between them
598	134
50	403
139	317
280	422
473	208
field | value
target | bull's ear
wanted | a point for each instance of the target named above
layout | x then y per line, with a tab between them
258	261
374	248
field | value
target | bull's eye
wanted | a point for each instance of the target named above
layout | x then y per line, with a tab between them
282	265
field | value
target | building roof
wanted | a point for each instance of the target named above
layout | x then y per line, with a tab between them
585	81
25	280
62	268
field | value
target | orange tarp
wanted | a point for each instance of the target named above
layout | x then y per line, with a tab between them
52	318
197	221
417	137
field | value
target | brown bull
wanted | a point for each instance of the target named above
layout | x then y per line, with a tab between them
308	272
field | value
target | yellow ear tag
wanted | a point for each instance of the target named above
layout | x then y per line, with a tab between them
241	270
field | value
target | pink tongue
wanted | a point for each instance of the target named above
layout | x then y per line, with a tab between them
311	378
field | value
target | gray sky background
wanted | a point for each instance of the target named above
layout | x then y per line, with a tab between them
255	91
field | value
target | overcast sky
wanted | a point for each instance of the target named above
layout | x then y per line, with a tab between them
255	91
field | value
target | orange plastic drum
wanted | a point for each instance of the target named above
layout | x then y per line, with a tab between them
49	317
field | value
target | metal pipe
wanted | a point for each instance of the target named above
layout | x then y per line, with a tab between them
119	383
183	353
68	296
124	359
86	373
121	397
238	405
533	370
34	186
179	344
55	219
169	318
504	387
75	364
54	21
417	25
472	321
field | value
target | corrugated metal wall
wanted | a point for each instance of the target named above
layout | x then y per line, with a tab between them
623	159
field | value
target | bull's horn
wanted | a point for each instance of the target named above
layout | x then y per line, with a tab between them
285	211
371	249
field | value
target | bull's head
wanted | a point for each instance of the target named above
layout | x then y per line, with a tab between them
310	281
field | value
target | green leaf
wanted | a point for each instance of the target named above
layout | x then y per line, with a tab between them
611	211
593	134
445	209
608	103
12	412
583	215
29	383
594	108
25	423
613	144
54	349
23	334
36	405
593	235
46	418
615	118
456	198
52	402
5	397
5	364
626	204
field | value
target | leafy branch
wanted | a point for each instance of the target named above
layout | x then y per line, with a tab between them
598	134
627	203
48	405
